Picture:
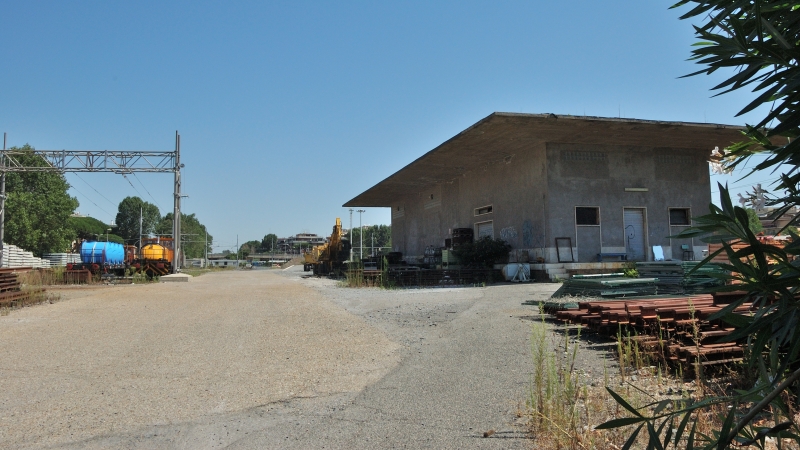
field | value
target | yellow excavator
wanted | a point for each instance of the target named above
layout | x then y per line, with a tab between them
329	258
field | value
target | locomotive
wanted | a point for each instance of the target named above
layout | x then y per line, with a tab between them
111	258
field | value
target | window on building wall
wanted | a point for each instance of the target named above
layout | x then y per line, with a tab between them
679	216
483	210
587	215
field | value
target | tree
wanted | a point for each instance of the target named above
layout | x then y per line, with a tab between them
381	233
753	222
128	213
249	248
483	253
761	41
269	243
91	229
38	207
192	231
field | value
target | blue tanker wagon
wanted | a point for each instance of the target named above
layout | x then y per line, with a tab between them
102	257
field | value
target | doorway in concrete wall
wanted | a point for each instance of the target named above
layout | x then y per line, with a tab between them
635	245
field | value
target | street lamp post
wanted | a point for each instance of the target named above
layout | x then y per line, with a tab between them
360	236
351	234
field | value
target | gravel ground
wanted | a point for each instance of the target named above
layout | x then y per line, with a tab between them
270	359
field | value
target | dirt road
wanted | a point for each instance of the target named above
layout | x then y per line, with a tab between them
266	359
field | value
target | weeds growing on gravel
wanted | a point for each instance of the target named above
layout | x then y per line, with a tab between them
354	277
563	402
42	277
565	405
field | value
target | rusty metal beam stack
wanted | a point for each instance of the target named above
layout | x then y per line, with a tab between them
674	330
11	292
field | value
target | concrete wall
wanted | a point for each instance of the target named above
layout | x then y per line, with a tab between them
514	188
534	194
656	180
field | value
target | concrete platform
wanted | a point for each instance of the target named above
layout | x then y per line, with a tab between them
177	277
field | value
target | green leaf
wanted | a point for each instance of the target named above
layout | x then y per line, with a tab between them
632	438
622	402
617	423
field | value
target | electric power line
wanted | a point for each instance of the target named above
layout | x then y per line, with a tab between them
129	182
748	182
145	189
92	202
98	192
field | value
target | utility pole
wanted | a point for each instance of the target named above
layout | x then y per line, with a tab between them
360	236
237	252
3	202
176	215
205	263
141	220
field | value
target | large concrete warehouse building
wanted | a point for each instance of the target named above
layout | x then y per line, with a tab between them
568	189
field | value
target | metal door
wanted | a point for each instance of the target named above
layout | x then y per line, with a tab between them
485	229
634	234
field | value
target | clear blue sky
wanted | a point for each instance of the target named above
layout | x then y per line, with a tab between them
288	109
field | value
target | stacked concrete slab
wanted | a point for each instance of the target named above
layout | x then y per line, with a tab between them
62	259
14	256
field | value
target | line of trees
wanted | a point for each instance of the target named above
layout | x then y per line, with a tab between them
382	235
375	236
133	210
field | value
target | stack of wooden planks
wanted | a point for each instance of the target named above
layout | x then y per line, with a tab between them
11	292
675	330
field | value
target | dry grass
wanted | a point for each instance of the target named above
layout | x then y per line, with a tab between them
565	404
42	277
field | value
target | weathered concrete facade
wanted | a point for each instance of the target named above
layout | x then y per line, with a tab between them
609	186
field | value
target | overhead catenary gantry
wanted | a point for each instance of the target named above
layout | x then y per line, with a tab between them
113	161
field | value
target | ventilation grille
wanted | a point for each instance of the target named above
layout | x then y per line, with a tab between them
583	156
675	159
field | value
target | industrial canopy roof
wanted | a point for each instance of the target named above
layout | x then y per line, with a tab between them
500	136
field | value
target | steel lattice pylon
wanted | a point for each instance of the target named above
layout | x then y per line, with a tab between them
114	161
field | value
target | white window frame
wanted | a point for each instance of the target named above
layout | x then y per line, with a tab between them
599	218
489	207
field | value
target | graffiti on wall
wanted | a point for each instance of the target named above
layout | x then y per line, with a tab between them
530	238
527	234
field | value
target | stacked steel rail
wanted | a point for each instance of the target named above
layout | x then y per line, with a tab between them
11	292
681	277
673	330
607	285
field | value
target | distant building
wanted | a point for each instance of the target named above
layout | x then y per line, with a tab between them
303	240
772	222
